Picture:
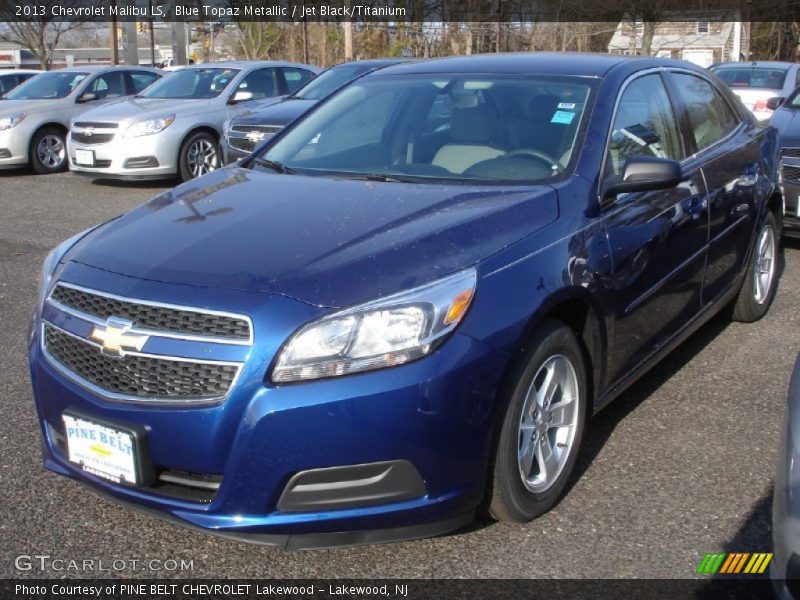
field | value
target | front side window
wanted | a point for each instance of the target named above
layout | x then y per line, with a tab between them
644	125
109	85
295	78
48	86
260	84
441	126
710	116
141	80
190	84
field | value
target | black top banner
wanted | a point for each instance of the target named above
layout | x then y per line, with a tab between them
399	11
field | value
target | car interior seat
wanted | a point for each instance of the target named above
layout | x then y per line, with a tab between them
475	136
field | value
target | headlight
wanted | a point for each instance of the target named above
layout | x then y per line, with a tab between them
382	333
149	127
12	121
50	265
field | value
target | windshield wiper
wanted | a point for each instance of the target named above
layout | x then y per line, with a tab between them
386	177
276	166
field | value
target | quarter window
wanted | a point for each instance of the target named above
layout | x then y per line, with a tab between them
710	117
643	126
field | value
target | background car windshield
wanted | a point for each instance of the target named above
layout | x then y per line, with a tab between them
191	83
47	86
331	80
440	126
752	77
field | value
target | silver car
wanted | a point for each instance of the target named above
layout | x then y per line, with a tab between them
785	567
173	128
35	116
761	85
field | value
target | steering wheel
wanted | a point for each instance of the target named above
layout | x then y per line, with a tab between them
530	152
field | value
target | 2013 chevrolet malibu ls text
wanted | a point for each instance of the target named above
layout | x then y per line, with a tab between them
405	307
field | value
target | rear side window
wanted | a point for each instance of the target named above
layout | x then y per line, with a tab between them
710	117
643	126
141	80
296	78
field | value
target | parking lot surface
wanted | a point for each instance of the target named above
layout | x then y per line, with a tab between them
682	464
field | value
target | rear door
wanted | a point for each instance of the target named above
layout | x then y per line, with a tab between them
658	239
727	153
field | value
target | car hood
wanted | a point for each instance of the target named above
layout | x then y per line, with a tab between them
324	241
277	114
143	108
8	107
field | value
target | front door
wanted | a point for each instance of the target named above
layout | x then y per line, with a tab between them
658	239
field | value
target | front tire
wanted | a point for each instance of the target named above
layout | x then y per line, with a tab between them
49	151
760	283
199	155
542	428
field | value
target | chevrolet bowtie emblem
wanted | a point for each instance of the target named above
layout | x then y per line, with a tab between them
115	337
88	131
256	136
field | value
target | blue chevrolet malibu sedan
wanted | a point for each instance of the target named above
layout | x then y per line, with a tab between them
405	308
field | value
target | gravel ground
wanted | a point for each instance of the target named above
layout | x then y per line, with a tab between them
681	465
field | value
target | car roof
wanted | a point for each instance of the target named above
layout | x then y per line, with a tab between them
539	63
246	64
774	64
93	69
17	71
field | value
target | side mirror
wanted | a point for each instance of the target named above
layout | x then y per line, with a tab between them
643	174
775	102
241	96
87	97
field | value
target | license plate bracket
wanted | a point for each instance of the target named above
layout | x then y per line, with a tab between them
84	158
107	448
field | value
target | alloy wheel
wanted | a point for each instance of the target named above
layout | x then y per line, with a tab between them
51	151
202	157
764	270
547	426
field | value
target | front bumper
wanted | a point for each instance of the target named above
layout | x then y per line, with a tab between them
434	413
145	157
14	146
229	153
790	183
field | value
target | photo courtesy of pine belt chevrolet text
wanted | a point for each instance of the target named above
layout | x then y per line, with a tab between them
404	307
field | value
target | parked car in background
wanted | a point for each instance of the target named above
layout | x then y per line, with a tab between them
786	120
12	78
174	127
759	84
785	566
242	134
35	116
410	302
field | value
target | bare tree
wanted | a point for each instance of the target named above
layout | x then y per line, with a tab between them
40	34
255	39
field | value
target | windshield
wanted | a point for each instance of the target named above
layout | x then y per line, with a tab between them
752	77
439	127
191	84
47	86
331	80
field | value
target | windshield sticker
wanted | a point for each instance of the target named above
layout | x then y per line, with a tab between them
567	105
562	117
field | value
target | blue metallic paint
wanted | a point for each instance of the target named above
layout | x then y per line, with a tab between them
286	249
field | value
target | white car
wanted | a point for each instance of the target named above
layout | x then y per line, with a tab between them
174	127
760	85
35	116
13	77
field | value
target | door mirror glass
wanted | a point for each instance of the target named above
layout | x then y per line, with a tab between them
241	96
87	97
775	102
643	174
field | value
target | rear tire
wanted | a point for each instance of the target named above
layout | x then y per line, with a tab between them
48	152
542	429
760	282
199	155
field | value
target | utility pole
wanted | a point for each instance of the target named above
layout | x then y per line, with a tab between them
348	40
305	41
114	36
152	38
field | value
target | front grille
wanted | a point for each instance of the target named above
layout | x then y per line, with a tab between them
158	318
237	138
95	138
95	124
790	173
266	129
139	376
791	152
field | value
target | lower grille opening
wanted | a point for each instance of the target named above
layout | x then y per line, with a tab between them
5	153
184	485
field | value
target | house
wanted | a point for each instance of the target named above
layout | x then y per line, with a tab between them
703	42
